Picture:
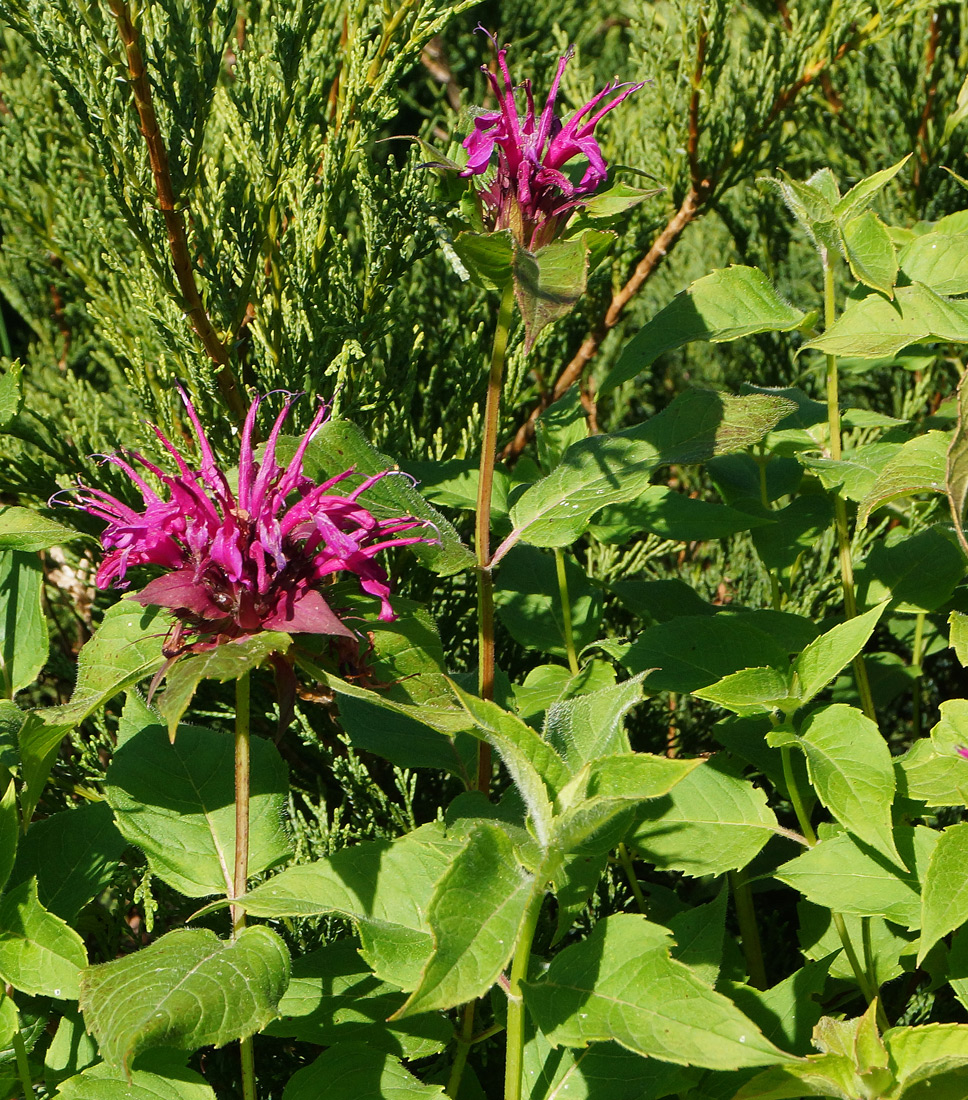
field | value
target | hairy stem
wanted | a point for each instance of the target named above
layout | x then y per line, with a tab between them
748	929
174	220
519	971
485	580
566	613
625	858
242	691
840	508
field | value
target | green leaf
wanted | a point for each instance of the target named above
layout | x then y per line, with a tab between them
356	1072
71	1050
107	1082
186	824
823	658
192	990
958	635
670	515
726	305
615	200
488	257
613	469
475	916
873	326
918	467
227	661
870	252
793	533
693	652
933	770
860	195
712	821
839	874
560	425
382	886
339	445
852	772
125	649
549	282
39	953
699	934
9	826
945	903
11	393
956	467
529	603
752	691
23	626
73	855
620	983
334	999
918	572
788	1011
591	725
28	531
538	771
930	1056
939	261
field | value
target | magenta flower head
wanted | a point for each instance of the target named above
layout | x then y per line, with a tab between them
530	194
239	561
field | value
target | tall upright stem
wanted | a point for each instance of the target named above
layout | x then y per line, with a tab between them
840	508
748	928
519	971
485	581
241	877
19	1048
566	624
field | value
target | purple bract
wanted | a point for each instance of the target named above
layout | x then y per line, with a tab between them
530	194
239	562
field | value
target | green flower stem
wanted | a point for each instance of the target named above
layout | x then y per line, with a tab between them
748	929
241	878
917	656
840	507
465	1040
566	613
485	580
628	867
761	462
20	1053
793	790
514	1070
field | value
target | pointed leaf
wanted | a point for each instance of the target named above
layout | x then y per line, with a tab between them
851	770
588	726
9	826
39	953
925	1054
933	770
186	824
752	691
356	1072
956	466
560	425
621	984
870	252
23	626
106	1082
822	659
726	305
125	649
71	1050
945	905
939	261
918	467
488	257
672	515
860	195
27	530
192	990
475	916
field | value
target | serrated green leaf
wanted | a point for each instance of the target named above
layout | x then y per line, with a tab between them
752	691
860	195
475	916
333	999
186	990
186	824
23	625
918	467
588	726
488	257
225	662
788	1011
870	252
621	984
106	1082
71	1050
945	902
827	1075
712	821
851	770
871	327
39	953
918	572
9	826
823	658
933	770
725	305
356	1072
958	636
839	874
28	531
125	649
939	261
73	855
671	515
561	424
339	445
929	1055
956	467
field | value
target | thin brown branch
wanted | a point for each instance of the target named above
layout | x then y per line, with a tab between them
692	143
174	221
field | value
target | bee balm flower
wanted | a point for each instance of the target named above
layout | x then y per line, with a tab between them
240	561
530	194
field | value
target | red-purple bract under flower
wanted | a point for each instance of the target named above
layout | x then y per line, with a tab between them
530	194
237	563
